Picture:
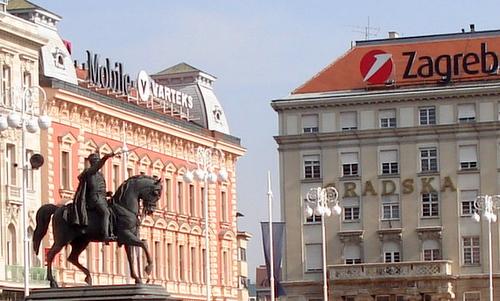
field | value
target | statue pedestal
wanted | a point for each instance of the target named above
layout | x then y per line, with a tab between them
101	292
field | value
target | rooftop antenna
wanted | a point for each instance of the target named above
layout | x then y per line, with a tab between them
368	31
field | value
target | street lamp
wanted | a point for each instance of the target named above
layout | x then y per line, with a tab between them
488	205
322	201
23	117
205	173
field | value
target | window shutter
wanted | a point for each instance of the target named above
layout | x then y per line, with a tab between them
310	121
352	251
348	120
387	156
468	195
387	114
349	158
313	257
466	111
468	153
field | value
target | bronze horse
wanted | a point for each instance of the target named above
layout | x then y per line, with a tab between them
125	208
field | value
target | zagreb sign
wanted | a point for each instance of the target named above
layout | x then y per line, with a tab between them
376	66
147	87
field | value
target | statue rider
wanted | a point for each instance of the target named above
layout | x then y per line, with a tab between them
91	194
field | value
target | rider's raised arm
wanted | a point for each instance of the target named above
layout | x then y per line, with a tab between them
93	169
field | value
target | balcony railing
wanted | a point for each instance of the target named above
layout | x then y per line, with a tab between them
15	273
390	270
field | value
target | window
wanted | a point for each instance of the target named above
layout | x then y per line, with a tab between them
350	164
204	264
390	207
431	250
392	257
313	219
192	203
224	208
225	268
26	79
170	263
118	260
115	176
192	260
310	123
181	262
352	254
312	167
472	252
157	254
428	159
313	257
467	202
180	195
348	121
430	204
427	115
6	85
65	176
168	194
11	245
30	173
472	296
10	163
202	192
387	118
391	251
468	157
466	113
351	209
389	162
382	298
243	254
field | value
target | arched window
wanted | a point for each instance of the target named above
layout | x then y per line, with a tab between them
11	245
34	260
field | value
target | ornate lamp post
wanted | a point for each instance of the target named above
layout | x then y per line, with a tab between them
488	205
322	201
205	173
23	117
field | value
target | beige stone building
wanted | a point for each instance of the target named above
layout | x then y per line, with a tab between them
407	130
20	43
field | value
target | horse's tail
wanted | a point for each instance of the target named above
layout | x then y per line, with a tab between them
42	224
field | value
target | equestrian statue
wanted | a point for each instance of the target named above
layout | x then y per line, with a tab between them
95	217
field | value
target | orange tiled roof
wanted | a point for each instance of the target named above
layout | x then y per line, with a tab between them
348	72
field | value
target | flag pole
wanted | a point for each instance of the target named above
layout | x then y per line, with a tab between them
271	244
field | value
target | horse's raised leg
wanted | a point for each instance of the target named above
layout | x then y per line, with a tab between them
130	257
77	247
56	248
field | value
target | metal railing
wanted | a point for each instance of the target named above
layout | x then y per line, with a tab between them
15	273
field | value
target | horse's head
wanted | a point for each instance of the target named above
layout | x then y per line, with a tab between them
150	195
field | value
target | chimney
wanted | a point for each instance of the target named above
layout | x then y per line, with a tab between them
472	27
393	35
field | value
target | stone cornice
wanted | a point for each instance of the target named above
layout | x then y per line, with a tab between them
355	98
363	137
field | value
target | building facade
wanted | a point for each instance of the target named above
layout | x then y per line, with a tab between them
162	122
406	129
20	44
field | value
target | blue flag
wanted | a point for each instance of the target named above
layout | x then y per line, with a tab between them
278	235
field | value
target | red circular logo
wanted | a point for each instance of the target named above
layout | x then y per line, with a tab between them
376	66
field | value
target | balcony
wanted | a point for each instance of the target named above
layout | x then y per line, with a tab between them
408	269
15	273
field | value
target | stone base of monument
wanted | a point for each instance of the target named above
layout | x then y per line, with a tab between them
101	293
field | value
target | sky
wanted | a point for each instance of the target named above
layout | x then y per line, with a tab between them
259	51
